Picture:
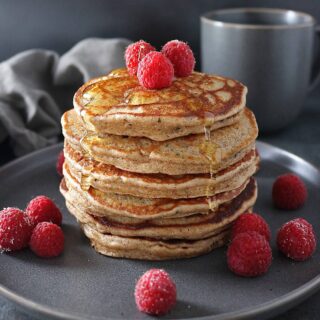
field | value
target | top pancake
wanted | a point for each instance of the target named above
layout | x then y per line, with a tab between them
117	104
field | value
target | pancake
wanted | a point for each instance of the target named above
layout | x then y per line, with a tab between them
108	204
108	178
186	155
151	249
195	227
117	104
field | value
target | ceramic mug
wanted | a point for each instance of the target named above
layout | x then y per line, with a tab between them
270	50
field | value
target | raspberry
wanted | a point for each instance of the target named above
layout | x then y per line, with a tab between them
155	71
289	192
155	292
15	229
249	254
135	52
60	162
47	240
181	56
42	208
251	222
296	239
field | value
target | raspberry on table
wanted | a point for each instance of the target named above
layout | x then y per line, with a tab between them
60	162
47	240
296	239
155	292
251	222
289	192
249	254
135	52
181	56
155	71
42	208
15	229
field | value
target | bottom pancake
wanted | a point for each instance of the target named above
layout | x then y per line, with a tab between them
151	249
170	239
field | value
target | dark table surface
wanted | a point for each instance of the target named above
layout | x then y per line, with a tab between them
301	138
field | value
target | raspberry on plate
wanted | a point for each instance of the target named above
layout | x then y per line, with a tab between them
155	292
155	71
135	52
47	240
249	254
289	192
296	239
181	56
251	222
42	208
60	162
15	229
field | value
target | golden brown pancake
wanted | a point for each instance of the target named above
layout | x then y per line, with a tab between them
108	178
151	249
117	104
194	227
112	204
186	155
158	248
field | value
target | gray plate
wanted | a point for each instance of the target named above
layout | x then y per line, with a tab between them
82	284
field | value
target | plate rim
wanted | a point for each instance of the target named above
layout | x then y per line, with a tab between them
282	303
26	157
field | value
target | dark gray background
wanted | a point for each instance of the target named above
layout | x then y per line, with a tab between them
59	24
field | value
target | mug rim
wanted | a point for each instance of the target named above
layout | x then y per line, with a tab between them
219	23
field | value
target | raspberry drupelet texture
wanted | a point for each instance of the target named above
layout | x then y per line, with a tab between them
135	52
289	192
155	71
181	56
251	222
155	292
15	229
249	254
47	240
60	162
42	208
296	239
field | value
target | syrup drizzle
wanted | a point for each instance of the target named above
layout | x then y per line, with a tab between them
213	153
86	176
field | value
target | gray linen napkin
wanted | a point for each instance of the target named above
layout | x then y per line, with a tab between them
36	86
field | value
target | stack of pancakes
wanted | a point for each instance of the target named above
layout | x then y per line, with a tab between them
159	174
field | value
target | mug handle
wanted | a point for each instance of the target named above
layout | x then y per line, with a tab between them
316	74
